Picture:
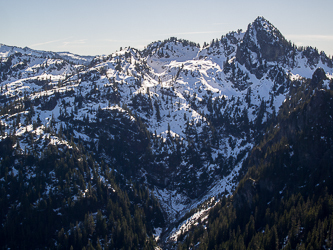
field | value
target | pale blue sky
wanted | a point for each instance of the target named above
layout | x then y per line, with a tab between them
102	27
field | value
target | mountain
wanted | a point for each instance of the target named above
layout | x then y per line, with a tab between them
179	125
7	51
285	198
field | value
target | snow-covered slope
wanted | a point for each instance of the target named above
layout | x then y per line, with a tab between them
7	51
176	116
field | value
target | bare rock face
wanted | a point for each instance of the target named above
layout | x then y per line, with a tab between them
262	43
318	77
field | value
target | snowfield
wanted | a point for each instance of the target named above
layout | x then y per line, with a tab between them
186	96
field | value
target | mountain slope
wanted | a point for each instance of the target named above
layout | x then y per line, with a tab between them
176	118
59	196
285	198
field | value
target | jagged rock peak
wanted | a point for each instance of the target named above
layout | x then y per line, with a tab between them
263	40
261	30
260	20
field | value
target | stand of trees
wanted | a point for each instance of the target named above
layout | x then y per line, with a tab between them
66	199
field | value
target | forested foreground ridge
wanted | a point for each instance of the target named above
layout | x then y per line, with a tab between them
285	199
223	145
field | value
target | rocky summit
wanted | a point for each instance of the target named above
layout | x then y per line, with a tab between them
145	147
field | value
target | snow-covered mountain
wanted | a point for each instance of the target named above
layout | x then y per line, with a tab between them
175	116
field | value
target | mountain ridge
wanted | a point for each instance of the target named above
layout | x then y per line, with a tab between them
178	118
